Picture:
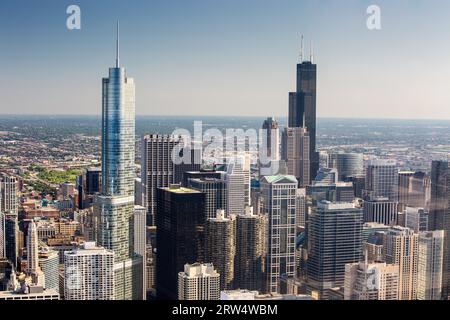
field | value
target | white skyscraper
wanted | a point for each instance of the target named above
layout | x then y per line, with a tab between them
431	252
199	282
89	273
279	205
382	179
237	179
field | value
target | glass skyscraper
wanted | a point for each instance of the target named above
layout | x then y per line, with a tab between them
114	207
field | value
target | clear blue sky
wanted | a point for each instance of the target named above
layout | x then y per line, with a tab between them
227	57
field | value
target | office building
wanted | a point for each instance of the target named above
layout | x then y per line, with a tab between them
381	210
140	241
199	282
296	154
215	194
279	205
416	219
301	208
347	164
89	273
157	168
302	107
269	152
334	192
382	179
401	247
180	223
251	250
220	246
237	179
114	206
334	240
431	253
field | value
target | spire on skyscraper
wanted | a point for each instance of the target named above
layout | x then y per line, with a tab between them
311	53
301	49
117	47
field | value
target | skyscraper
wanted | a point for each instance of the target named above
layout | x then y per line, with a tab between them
220	246
279	205
271	147
296	154
199	282
215	194
9	197
382	179
158	169
49	264
347	164
140	241
180	222
251	250
32	249
401	247
114	207
334	236
371	281
302	107
2	236
89	273
381	210
439	217
431	252
237	179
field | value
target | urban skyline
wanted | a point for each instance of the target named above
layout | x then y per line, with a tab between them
177	44
208	212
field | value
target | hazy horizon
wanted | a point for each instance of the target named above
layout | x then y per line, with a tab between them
228	58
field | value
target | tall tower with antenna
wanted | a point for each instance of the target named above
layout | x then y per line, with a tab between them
114	207
302	104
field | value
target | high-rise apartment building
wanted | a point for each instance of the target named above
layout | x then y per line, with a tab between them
371	281
334	240
49	264
431	253
279	205
199	282
89	273
114	207
382	179
220	246
9	194
180	223
401	247
251	250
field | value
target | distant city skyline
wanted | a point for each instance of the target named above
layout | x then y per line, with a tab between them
225	58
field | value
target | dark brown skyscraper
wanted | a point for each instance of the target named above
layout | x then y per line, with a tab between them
302	107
